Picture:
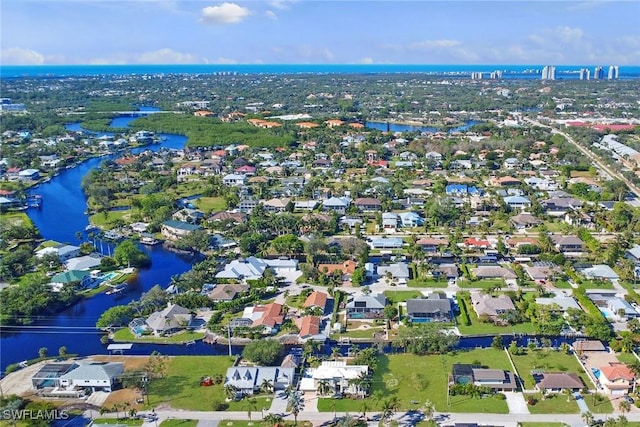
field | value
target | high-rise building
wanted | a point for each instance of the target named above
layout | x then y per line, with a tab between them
476	76
549	72
598	73
585	74
496	75
614	72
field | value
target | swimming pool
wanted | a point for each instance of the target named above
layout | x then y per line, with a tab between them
109	276
596	372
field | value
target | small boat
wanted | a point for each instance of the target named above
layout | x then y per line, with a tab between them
115	290
149	241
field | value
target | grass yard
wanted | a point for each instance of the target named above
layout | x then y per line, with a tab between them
554	404
120	421
482	284
562	284
532	424
412	378
395	297
479	328
210	204
126	335
427	283
591	284
181	389
600	406
627	358
108	219
548	360
179	423
16	219
259	423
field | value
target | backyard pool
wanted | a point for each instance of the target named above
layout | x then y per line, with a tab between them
110	275
596	372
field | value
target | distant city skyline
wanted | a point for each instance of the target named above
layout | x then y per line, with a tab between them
67	32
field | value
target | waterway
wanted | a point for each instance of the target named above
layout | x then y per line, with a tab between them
398	127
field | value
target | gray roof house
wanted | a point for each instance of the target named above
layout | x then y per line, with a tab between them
248	379
336	204
171	319
492	272
398	270
435	308
487	305
366	306
96	375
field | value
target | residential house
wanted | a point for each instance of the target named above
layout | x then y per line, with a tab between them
431	245
543	272
267	316
617	378
249	379
613	307
336	204
389	221
600	272
29	175
250	268
346	268
247	204
171	319
410	219
368	204
276	205
63	252
310	328
473	243
86	262
316	300
304	205
559	303
98	376
633	254
386	243
398	271
556	382
568	245
517	202
494	272
191	216
234	180
435	308
524	220
496	379
559	206
337	374
227	292
366	306
488	305
173	229
81	277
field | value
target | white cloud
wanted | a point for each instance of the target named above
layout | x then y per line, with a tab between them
20	56
225	13
367	60
271	14
223	60
568	34
166	56
434	44
282	4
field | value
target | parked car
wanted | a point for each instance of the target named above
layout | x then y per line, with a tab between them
629	399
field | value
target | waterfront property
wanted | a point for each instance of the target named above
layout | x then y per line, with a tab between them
366	306
435	308
70	379
249	379
494	379
337	374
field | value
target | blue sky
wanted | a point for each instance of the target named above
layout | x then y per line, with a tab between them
319	31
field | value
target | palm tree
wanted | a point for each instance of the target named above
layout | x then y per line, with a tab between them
251	404
624	406
429	409
335	353
389	407
324	387
364	407
296	403
230	391
587	417
266	386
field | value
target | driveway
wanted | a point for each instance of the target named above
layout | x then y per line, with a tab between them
516	403
581	403
278	404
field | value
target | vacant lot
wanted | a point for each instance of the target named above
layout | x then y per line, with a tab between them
549	361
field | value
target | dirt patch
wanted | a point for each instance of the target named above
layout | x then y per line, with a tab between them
131	363
124	396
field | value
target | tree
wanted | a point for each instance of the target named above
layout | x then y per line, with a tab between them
324	387
230	391
62	351
296	403
251	404
587	417
157	365
497	342
389	408
624	406
390	312
42	353
428	409
263	352
266	386
127	253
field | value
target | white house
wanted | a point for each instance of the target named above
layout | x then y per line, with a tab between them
234	179
99	376
338	374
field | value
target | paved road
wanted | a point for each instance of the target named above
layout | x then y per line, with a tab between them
404	419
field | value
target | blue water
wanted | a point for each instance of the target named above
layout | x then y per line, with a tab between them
395	127
510	71
596	372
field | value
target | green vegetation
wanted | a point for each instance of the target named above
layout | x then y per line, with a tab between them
395	297
411	378
599	404
206	132
121	421
179	423
553	403
180	387
481	284
427	283
263	352
547	360
125	335
211	204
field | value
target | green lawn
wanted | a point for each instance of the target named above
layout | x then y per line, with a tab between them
179	423
427	283
359	333
553	404
532	424
127	422
590	284
599	406
550	361
418	378
480	328
395	297
562	284
210	204
259	423
181	389
108	219
126	335
627	358
481	284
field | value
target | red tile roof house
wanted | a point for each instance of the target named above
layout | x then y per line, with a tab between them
271	319
309	327
473	243
316	299
617	378
368	204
